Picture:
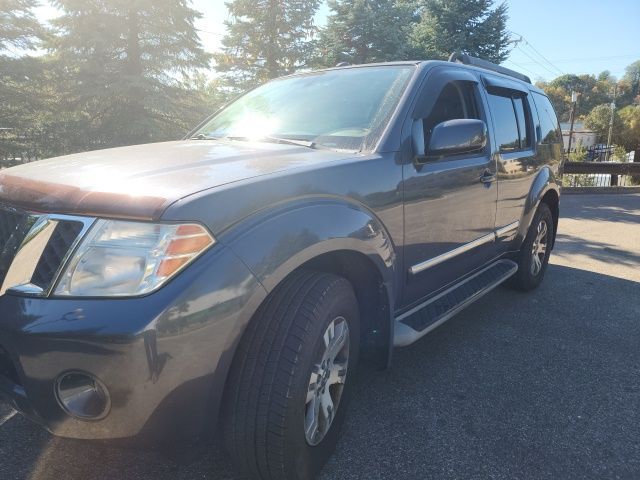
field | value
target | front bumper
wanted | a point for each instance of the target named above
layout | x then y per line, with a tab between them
163	358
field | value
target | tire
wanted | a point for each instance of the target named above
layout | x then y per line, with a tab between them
267	400
531	271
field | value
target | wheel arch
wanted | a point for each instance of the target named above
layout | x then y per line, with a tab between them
543	189
328	236
552	199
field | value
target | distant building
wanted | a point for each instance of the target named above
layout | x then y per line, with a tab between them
581	135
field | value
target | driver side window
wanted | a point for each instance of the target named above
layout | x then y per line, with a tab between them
457	100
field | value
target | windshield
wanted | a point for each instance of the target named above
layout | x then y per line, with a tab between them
342	109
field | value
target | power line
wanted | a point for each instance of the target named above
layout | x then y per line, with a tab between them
544	59
517	65
536	61
210	33
565	60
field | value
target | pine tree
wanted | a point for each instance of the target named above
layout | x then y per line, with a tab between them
468	26
19	29
19	97
365	31
119	63
266	39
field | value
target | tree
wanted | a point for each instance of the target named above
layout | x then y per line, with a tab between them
632	78
599	119
629	136
266	39
365	31
559	97
19	28
118	63
468	26
19	74
592	90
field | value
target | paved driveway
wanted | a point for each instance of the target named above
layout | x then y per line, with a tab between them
541	385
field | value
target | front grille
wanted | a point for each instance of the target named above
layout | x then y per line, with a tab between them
14	226
38	262
60	243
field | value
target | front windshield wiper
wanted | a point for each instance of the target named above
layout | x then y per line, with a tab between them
284	141
202	136
267	138
292	141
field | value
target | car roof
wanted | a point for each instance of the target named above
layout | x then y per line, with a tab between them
423	64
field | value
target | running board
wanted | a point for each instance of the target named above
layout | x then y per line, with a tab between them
419	321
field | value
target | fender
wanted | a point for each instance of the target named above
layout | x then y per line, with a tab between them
544	181
295	233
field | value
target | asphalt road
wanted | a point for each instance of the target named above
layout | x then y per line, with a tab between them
539	385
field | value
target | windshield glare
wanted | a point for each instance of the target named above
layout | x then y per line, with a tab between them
342	109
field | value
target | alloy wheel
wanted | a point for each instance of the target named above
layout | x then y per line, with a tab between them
326	382
539	249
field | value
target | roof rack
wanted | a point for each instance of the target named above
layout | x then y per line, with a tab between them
465	59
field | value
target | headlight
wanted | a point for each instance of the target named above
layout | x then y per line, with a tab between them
121	258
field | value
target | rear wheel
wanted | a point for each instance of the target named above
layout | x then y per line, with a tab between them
533	257
292	378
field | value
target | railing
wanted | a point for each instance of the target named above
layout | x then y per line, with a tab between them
601	174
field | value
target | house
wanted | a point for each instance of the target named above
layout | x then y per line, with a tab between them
581	135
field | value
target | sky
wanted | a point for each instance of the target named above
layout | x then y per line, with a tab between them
559	36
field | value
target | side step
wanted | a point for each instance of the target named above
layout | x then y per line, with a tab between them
419	321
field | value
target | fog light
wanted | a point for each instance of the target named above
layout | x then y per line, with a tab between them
82	396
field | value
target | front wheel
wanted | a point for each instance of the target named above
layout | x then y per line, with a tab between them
533	256
292	378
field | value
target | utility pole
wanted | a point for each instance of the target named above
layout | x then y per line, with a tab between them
572	118
614	178
613	111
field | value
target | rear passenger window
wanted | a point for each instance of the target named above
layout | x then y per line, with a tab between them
512	122
549	129
505	123
524	120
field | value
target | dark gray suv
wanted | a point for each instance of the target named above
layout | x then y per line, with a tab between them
231	283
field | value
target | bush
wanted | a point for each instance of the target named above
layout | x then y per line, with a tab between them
578	155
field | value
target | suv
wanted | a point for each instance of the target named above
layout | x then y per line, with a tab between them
231	282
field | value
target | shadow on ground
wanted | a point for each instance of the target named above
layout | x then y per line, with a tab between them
603	251
539	385
608	208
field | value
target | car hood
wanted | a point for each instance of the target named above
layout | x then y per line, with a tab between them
141	181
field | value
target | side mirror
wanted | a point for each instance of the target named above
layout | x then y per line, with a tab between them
456	137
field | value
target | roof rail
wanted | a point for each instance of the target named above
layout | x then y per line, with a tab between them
478	62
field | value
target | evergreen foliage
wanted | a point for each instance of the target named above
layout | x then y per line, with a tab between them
365	31
474	27
119	65
266	39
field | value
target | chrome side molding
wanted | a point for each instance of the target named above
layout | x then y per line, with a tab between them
507	229
490	237
432	262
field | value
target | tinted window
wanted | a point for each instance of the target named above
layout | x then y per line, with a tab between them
456	101
505	124
344	108
548	121
524	124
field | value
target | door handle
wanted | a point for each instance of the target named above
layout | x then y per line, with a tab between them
487	177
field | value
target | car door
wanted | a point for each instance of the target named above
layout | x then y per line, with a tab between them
450	201
513	144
